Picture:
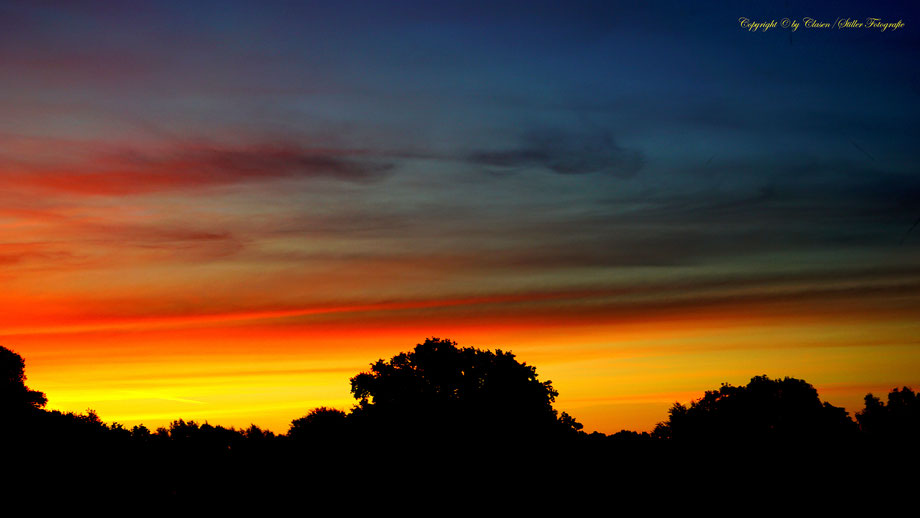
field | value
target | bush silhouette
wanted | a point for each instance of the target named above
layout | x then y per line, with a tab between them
320	424
764	409
444	390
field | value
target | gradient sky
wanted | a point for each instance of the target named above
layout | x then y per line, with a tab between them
222	211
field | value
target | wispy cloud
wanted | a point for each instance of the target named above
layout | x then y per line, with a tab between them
124	172
839	292
563	152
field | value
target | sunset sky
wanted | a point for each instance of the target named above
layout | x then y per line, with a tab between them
222	211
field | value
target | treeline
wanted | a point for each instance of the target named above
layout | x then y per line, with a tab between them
440	415
444	391
712	418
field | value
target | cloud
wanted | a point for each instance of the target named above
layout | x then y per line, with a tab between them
564	153
180	241
44	241
841	290
13	254
121	172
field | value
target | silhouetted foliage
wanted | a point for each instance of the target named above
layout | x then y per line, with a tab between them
321	424
449	397
141	433
629	435
899	418
764	409
15	398
202	438
254	433
440	389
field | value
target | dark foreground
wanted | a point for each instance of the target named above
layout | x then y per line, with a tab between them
443	476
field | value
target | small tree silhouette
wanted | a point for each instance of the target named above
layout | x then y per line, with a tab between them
764	409
899	418
320	424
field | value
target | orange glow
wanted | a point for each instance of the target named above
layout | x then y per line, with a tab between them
224	212
161	305
269	368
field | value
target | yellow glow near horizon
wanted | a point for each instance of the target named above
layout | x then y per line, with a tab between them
620	375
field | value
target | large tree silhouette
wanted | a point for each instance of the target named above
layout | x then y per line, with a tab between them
444	390
764	409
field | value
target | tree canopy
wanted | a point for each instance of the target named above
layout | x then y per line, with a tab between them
439	387
899	418
787	408
320	424
15	396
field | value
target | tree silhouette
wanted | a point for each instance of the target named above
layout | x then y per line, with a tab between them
444	390
899	418
764	409
320	424
15	397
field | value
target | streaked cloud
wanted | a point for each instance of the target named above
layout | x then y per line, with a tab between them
563	152
599	185
109	172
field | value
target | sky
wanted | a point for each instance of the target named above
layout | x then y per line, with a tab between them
222	211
